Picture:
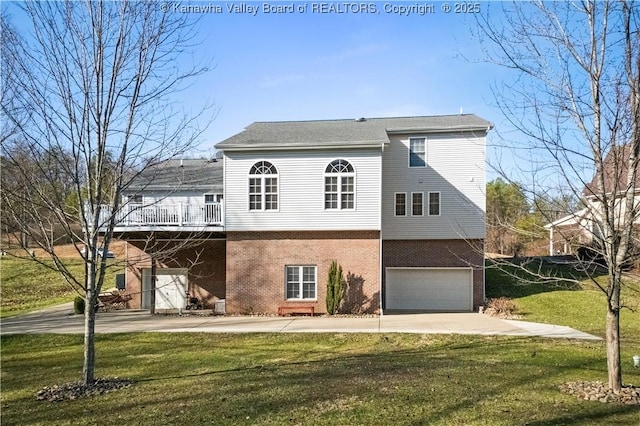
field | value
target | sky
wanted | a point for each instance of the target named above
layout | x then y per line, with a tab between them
314	60
319	64
304	60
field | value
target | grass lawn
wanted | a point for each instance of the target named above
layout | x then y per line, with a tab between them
28	286
581	306
333	379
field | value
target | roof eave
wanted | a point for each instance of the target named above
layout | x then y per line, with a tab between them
291	147
173	188
570	219
445	129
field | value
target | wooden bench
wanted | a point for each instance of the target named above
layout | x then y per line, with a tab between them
296	309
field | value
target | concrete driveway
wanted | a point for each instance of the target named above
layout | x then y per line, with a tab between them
60	320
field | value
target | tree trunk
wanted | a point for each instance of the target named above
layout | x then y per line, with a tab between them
89	338
613	338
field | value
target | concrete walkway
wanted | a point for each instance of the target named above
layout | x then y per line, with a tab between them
61	320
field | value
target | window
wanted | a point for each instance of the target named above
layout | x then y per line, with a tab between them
212	198
136	199
339	186
434	204
301	282
263	186
417	152
401	204
416	204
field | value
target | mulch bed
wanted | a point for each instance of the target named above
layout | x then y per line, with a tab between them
75	390
598	391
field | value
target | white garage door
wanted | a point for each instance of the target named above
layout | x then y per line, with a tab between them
429	289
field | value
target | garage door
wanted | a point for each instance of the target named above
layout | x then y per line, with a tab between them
429	289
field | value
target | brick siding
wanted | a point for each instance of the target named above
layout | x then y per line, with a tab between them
205	260
256	264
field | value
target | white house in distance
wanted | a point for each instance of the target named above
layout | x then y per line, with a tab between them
582	228
399	203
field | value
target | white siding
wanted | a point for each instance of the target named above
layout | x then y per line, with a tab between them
455	168
174	197
301	191
618	211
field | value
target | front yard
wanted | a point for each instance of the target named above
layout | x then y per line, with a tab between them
276	379
336	379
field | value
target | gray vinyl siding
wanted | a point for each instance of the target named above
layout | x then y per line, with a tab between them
301	191
455	168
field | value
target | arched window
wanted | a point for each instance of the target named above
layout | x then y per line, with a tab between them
339	166
339	186
263	186
263	168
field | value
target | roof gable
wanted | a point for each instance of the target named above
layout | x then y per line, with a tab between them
205	175
615	169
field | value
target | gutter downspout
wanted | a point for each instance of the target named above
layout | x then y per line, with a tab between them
380	268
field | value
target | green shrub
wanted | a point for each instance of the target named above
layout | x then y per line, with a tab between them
78	305
336	285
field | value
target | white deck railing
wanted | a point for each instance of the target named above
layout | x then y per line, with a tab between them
187	215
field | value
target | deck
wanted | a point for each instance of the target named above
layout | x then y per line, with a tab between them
169	217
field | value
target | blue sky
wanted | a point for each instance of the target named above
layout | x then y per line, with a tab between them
307	66
310	65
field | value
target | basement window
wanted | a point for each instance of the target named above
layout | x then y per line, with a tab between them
301	282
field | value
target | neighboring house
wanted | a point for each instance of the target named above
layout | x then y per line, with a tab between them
398	202
581	229
570	232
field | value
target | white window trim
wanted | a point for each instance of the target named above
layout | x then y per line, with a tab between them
300	289
422	204
262	188
409	150
340	176
439	203
395	204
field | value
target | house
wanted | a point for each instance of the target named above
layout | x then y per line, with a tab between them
582	228
398	202
570	232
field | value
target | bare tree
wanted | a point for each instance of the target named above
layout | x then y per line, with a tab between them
88	92
575	103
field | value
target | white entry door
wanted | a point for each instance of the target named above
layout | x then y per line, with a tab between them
171	291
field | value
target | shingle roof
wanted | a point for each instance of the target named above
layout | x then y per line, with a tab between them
615	171
205	175
351	133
